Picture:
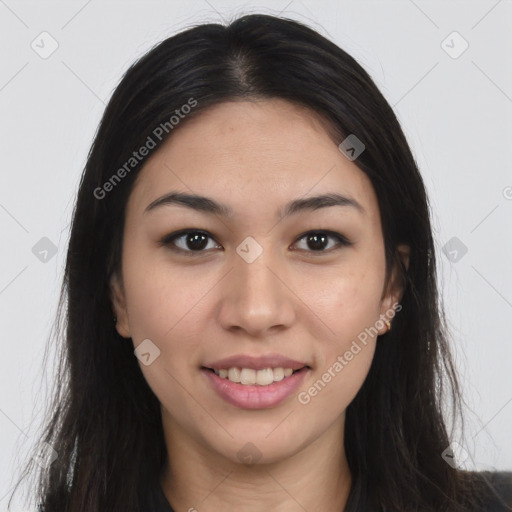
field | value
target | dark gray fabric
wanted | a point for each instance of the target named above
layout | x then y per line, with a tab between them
502	483
359	497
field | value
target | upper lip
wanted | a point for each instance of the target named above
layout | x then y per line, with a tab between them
256	362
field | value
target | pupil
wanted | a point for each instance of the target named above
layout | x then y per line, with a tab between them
315	239
196	241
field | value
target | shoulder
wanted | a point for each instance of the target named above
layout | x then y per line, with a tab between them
498	490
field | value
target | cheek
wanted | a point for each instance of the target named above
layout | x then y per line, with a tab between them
349	304
164	306
169	306
159	297
335	387
350	308
349	301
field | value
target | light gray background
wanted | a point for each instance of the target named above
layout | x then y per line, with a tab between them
456	113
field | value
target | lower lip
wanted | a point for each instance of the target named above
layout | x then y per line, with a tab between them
255	397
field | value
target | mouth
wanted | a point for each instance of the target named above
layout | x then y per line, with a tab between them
250	381
255	377
252	388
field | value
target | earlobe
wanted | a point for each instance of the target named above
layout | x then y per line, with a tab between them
117	298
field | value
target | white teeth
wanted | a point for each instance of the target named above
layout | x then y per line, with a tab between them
278	374
250	377
264	377
234	374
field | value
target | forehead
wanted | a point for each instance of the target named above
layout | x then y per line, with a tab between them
253	152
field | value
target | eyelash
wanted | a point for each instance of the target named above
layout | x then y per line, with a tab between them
168	240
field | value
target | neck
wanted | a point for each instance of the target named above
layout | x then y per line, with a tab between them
316	478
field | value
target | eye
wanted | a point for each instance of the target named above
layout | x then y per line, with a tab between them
318	240
191	241
195	241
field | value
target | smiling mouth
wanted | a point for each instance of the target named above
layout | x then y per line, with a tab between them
252	377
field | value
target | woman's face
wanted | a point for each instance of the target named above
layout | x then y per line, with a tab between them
262	285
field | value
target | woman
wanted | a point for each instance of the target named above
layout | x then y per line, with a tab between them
253	219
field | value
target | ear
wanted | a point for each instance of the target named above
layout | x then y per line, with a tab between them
118	299
395	287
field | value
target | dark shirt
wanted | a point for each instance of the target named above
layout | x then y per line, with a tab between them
358	500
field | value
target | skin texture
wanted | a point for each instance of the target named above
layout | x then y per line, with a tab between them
292	300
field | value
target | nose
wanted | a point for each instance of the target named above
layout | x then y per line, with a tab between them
257	298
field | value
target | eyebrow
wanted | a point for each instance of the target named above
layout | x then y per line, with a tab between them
208	205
